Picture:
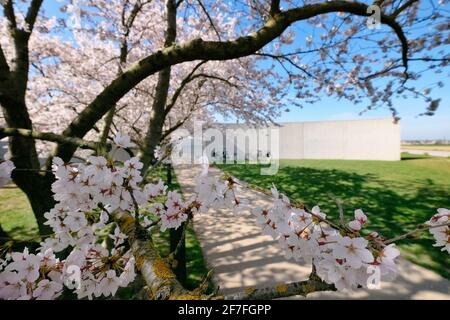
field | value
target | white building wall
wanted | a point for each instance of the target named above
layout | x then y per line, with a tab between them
291	141
374	139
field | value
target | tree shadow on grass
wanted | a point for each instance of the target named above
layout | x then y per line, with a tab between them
393	207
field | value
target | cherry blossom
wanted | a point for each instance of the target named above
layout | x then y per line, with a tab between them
386	261
440	229
69	61
47	290
360	220
88	193
118	237
354	251
31	276
123	141
108	285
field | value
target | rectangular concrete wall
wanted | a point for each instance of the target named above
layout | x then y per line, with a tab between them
377	139
374	139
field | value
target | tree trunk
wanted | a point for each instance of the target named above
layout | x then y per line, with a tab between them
41	200
158	117
27	177
176	237
13	86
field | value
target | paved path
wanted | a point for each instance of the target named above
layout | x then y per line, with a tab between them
241	256
433	153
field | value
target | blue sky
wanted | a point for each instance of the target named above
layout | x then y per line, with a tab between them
412	125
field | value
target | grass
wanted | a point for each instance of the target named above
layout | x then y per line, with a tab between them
395	195
17	219
195	264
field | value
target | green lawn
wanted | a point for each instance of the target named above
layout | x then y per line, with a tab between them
395	195
17	220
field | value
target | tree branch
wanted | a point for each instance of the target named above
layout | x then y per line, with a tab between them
302	288
290	61
160	279
199	75
208	50
48	136
274	7
183	84
419	228
209	19
163	285
400	9
166	133
8	11
32	14
4	67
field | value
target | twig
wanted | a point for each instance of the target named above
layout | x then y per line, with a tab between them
136	211
182	238
340	209
419	228
293	203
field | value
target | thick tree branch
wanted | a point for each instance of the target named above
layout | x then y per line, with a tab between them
302	288
4	67
163	285
156	272
274	7
157	119
8	11
32	14
208	50
48	136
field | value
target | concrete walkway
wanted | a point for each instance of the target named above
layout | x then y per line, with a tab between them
433	153
242	257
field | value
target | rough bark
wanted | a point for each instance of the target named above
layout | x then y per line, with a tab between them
24	156
155	133
160	280
178	245
13	85
157	119
162	284
158	116
301	288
